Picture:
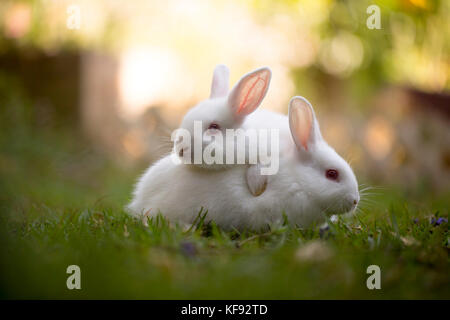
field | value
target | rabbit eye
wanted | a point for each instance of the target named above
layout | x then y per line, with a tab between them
332	174
214	126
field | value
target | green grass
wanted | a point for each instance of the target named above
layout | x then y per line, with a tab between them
120	257
61	204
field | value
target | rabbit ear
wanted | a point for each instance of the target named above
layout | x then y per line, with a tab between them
249	92
221	77
303	124
256	182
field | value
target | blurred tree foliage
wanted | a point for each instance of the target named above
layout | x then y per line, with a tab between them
411	48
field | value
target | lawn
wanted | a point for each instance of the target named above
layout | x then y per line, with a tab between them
61	204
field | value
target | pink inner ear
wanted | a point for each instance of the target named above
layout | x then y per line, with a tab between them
301	122
249	92
253	94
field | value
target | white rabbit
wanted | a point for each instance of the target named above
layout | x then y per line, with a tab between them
220	112
313	182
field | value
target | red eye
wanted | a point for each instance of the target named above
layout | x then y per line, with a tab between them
332	174
214	126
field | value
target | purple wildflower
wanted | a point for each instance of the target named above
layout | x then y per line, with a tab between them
189	249
439	221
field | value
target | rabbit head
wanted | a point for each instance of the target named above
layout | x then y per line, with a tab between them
319	172
223	110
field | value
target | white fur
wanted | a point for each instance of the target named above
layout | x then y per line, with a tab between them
229	110
300	189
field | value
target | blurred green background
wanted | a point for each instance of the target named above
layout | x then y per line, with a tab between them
90	91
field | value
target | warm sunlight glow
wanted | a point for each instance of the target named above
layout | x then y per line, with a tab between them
379	138
147	77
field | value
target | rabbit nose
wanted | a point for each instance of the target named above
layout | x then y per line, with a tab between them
355	202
